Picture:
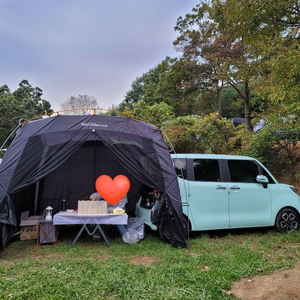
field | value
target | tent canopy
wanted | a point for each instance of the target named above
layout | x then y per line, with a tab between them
53	157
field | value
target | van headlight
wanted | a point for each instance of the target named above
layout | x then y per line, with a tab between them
295	190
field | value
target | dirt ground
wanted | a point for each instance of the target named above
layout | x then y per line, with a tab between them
281	285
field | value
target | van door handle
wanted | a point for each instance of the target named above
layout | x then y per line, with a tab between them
220	187
234	187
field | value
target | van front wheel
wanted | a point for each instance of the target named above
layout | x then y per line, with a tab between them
287	220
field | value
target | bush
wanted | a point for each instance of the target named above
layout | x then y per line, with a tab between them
201	134
155	114
275	145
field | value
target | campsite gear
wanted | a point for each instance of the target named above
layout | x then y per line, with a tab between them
29	227
92	207
64	218
59	155
47	232
135	231
49	210
63	204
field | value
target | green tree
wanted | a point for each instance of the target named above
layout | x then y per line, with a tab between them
272	28
196	42
177	89
134	95
30	99
146	87
206	42
232	103
24	103
163	84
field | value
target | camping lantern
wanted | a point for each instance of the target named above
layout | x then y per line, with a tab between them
49	210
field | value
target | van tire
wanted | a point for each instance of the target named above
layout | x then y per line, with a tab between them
287	220
166	238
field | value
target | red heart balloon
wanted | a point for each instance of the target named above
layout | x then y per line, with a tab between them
112	190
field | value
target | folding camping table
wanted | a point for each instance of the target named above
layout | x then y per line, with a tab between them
73	218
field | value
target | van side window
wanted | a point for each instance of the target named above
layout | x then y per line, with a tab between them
243	171
180	167
206	170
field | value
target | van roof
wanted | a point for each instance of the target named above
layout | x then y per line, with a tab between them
212	156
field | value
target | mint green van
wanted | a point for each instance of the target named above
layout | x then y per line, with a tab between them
226	191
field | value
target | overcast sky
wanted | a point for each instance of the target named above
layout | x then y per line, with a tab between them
88	47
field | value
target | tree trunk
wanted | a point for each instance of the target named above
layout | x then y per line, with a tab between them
247	106
246	96
219	89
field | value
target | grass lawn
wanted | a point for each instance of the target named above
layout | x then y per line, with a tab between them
150	269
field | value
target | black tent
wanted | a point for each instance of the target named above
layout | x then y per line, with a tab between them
53	157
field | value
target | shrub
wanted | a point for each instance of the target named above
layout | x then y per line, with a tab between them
275	145
201	134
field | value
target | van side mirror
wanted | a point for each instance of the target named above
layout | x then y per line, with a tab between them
262	179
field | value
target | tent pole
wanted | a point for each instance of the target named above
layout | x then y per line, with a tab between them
95	156
36	197
37	186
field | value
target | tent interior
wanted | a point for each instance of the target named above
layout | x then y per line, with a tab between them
75	180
